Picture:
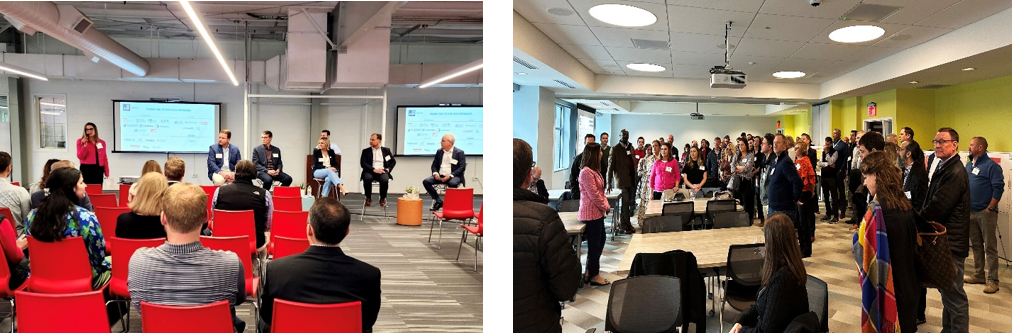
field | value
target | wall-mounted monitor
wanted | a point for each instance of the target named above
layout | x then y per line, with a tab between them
157	127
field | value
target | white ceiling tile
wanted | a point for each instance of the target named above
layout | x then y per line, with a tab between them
827	51
912	36
965	12
640	55
912	11
829	9
621	37
823	37
697	43
750	6
809	66
767	48
872	54
583	9
586	51
798	29
692	58
568	34
607	64
707	21
839	68
747	63
592	65
536	11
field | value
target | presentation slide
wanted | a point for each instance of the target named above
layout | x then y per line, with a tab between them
179	127
420	129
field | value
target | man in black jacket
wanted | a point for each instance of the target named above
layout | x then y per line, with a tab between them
267	159
546	270
622	168
574	171
448	168
243	195
377	163
605	153
842	156
323	274
948	203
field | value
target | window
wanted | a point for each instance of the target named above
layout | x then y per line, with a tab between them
52	121
563	151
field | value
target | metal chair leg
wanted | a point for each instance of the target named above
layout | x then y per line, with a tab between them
439	242
431	225
477	241
463	234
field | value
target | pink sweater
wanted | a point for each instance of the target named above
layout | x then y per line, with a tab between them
661	178
87	154
593	203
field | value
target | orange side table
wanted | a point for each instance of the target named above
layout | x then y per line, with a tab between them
409	211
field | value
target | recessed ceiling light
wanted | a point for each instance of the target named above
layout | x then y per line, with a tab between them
789	74
968	69
646	67
623	15
915	82
712	97
521	73
560	11
856	34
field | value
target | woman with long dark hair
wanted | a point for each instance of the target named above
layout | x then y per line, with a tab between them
46	169
593	207
886	268
783	295
915	187
743	167
60	216
91	150
694	172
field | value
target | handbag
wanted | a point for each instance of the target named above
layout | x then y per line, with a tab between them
935	268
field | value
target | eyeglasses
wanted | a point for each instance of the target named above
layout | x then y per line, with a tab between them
938	142
89	129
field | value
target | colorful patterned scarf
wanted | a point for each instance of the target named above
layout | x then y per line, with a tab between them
878	297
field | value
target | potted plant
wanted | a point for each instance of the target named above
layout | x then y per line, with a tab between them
305	190
411	193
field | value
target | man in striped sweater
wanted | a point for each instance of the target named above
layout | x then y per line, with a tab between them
182	271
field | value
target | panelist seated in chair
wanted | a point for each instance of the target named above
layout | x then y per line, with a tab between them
221	159
323	274
377	163
267	159
325	167
447	168
243	195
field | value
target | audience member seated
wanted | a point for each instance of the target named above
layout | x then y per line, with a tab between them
377	163
221	159
323	274
267	159
182	271
41	194
175	169
144	219
784	294
35	187
324	167
149	166
14	197
13	249
447	168
243	195
59	216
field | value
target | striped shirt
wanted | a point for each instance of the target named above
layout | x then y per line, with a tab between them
188	274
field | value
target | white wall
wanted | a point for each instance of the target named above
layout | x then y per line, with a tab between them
685	130
525	116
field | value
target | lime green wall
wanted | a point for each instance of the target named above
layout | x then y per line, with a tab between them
795	124
977	109
886	107
836	111
915	108
850	114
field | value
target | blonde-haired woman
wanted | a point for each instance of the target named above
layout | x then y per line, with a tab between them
324	167
149	166
144	219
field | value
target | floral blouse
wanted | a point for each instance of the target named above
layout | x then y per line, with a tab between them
81	222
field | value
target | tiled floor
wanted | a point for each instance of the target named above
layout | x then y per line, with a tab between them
832	262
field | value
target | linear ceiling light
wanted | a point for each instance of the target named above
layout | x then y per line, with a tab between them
21	71
623	15
646	67
207	38
50	113
479	64
789	74
856	34
53	104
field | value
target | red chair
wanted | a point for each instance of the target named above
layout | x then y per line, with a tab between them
7	212
94	189
290	204
236	245
78	312
124	194
209	190
295	317
458	205
125	249
288	224
287	191
107	217
59	267
103	200
211	318
477	231
284	246
231	223
16	183
5	276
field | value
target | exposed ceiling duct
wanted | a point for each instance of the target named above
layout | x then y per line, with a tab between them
66	23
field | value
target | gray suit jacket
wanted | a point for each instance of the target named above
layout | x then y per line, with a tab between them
260	158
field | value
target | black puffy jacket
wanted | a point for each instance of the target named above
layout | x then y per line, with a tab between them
546	270
948	203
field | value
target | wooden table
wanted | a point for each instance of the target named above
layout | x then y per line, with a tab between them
409	211
709	246
554	195
574	227
655	207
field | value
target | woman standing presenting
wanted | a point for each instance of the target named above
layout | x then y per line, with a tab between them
91	152
666	173
593	207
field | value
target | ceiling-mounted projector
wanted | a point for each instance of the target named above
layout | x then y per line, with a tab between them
696	116
722	77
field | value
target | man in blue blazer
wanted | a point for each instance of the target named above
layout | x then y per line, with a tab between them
447	168
267	159
221	159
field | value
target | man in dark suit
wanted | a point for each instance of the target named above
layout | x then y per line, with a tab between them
377	163
323	274
221	159
622	168
267	158
447	168
574	170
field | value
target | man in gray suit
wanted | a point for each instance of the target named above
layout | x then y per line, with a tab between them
267	159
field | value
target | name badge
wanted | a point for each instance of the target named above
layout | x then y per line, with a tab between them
744	160
975	170
321	159
772	171
798	166
99	145
668	169
702	168
454	162
908	194
386	158
275	155
217	155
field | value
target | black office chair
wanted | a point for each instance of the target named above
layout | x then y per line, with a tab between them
649	303
715	206
743	279
685	211
818	301
571	205
730	219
